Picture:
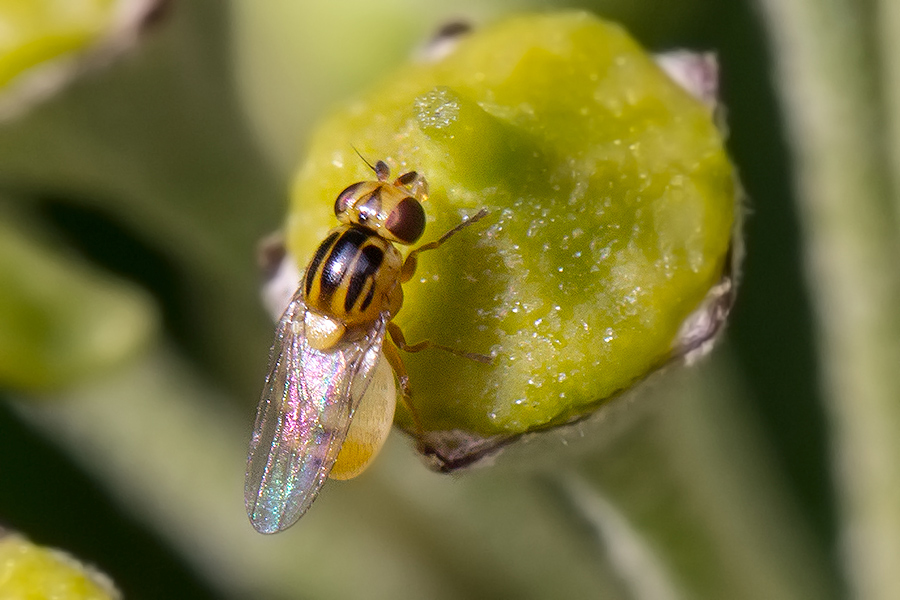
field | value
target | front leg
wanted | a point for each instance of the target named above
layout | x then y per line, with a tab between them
409	265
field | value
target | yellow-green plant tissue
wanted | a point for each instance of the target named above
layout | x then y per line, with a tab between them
612	209
29	571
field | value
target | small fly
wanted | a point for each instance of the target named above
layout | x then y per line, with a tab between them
328	348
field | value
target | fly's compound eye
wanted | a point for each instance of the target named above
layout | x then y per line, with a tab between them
345	199
406	221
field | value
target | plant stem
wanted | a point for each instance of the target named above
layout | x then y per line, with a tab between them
827	76
887	18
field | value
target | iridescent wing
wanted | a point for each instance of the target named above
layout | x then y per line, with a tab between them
307	403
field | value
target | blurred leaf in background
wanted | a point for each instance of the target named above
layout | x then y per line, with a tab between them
29	571
131	201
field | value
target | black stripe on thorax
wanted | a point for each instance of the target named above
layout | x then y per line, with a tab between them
342	255
368	299
321	252
366	267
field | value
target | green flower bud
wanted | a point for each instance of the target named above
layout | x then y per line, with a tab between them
611	209
46	42
30	571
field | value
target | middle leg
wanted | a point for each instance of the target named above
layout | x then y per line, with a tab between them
400	340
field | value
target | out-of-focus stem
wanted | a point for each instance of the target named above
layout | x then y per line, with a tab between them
715	499
887	19
828	80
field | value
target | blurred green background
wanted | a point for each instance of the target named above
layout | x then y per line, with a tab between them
156	175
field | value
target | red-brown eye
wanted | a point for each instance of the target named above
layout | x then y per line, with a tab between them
407	221
345	198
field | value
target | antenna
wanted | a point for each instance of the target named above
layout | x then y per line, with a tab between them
381	170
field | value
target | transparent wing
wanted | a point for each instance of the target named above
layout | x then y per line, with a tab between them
307	403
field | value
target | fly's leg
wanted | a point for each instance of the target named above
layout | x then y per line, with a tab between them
409	265
392	354
406	273
397	339
400	341
393	357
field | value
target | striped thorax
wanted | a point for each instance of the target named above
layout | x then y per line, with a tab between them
353	278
